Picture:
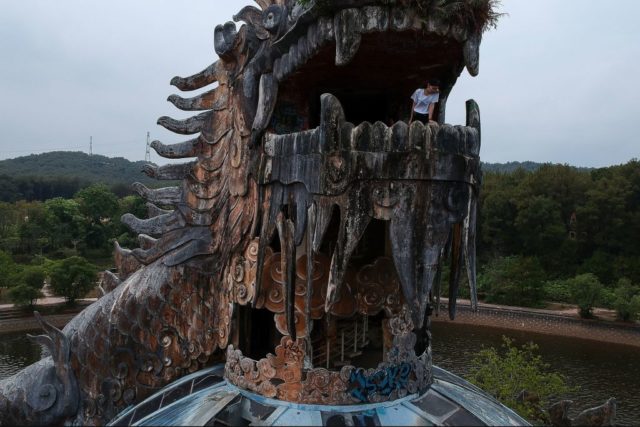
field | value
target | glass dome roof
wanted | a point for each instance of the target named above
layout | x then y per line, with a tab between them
205	398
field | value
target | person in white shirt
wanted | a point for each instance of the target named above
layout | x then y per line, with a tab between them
424	102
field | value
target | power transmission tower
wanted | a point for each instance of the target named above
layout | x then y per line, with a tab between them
147	154
91	146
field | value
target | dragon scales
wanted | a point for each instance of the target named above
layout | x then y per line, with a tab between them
306	199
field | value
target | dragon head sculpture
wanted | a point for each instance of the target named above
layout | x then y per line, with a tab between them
309	209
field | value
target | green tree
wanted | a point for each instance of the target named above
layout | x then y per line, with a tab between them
513	280
498	210
97	202
539	225
64	222
557	291
507	373
73	277
8	270
98	205
33	276
24	295
135	205
586	291
32	227
627	300
600	264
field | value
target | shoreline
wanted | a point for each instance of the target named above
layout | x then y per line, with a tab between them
547	322
30	324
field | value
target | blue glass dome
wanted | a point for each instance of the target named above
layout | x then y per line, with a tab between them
205	398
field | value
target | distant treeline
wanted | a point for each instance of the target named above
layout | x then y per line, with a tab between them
561	233
545	231
510	167
572	220
32	188
63	173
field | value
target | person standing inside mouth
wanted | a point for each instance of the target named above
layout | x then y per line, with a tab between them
424	102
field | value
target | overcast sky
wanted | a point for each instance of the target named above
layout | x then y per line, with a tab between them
558	79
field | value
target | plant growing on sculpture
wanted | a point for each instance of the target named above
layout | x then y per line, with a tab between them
518	377
479	15
73	277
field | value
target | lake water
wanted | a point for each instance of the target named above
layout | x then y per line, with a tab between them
602	370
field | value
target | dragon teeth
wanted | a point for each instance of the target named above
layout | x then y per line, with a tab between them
347	27
471	52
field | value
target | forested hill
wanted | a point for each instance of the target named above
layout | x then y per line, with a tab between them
513	166
510	166
62	173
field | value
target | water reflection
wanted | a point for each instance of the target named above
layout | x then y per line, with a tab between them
16	352
602	370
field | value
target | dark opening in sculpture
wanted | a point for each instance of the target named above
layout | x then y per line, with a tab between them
305	242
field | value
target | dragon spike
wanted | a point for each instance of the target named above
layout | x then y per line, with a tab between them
177	151
188	126
353	223
264	3
214	99
146	241
287	259
152	249
253	17
159	196
153	210
172	171
471	53
213	73
55	340
187	251
154	226
456	266
109	281
124	261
